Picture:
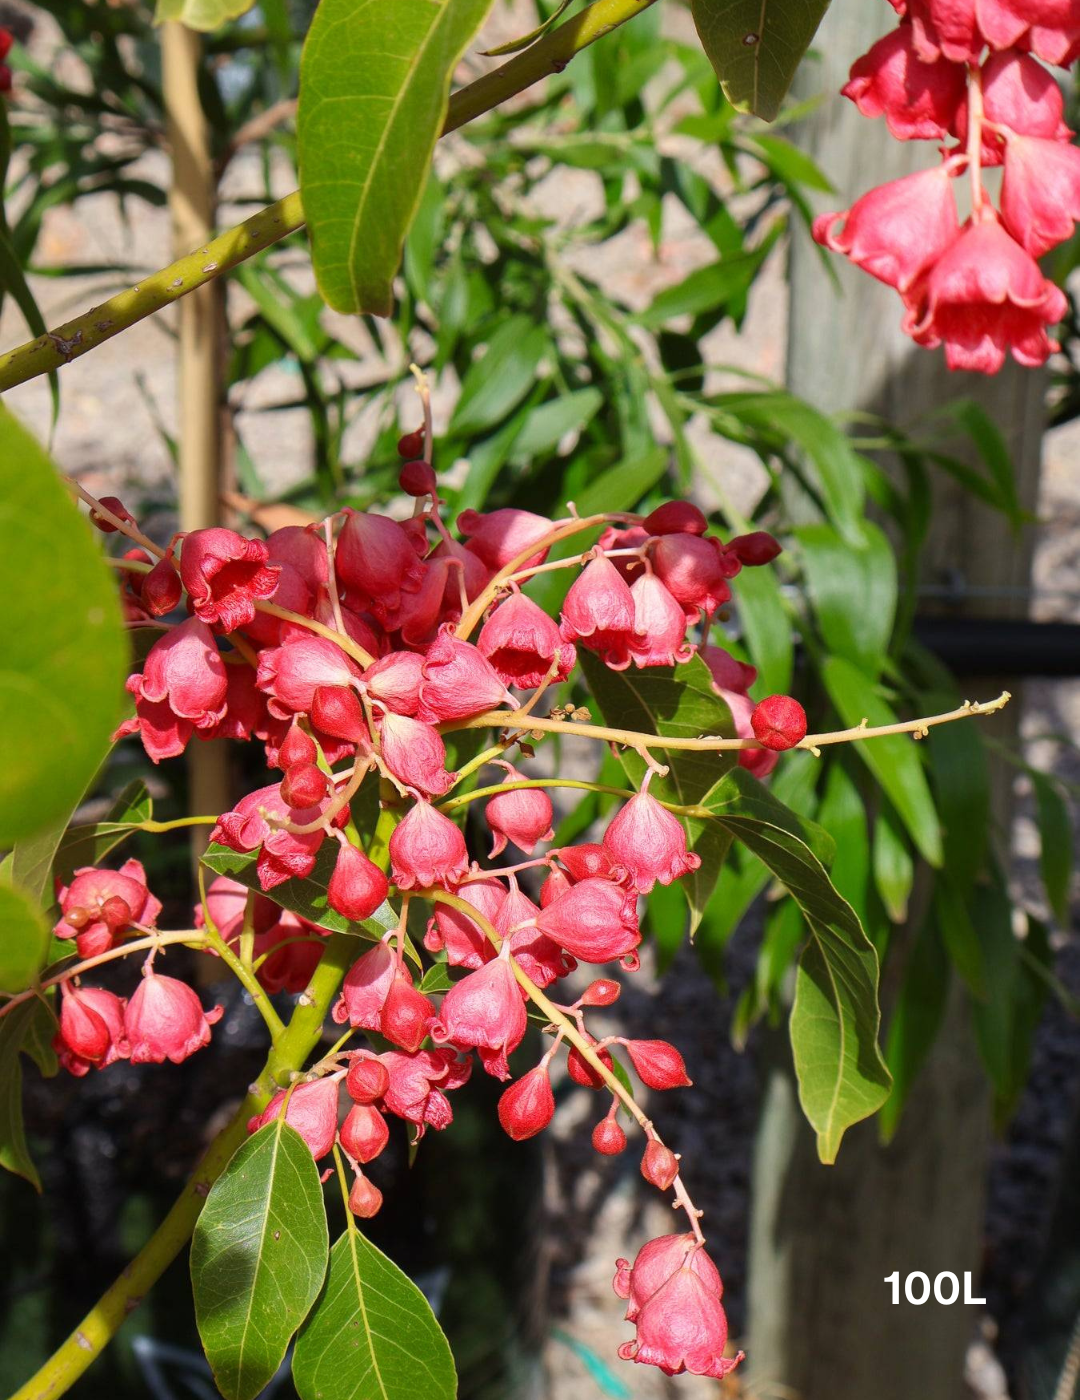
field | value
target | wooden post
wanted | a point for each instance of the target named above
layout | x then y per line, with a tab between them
822	1325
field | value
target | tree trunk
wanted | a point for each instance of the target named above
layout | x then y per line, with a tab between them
822	1324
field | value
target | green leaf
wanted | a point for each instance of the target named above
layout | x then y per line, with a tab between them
204	15
916	1019
843	815
852	591
893	759
959	935
13	280
765	621
372	1334
962	788
64	653
24	939
496	383
738	799
547	425
24	1029
994	1017
709	288
1055	844
515	45
308	897
677	702
436	979
835	1018
374	86
755	46
90	844
894	868
258	1258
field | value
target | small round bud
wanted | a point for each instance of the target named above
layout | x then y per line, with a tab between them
357	886
659	1165
418	479
78	916
335	709
364	1133
676	518
160	589
779	722
297	747
411	444
365	1198
367	1080
527	1106
303	785
115	913
603	992
581	1071
116	507
755	549
608	1137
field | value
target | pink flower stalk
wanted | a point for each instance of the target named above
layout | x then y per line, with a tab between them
528	1105
99	905
659	625
365	988
283	854
521	815
920	101
224	576
165	1020
312	1111
484	1010
364	1133
357	886
395	680
522	643
457	682
599	613
426	848
596	920
465	942
984	298
499	536
377	559
91	1030
292	673
419	1084
681	1326
649	843
898	230
182	687
415	754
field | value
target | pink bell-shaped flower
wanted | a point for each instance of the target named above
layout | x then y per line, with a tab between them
365	988
224	576
415	754
695	571
457	682
419	1084
406	1014
500	536
920	101
521	815
312	1111
464	940
656	1262
283	854
649	843
182	687
291	674
99	905
91	1030
165	1020
357	886
394	681
1040	192
659	625
484	1010
596	920
426	848
522	643
376	558
682	1328
599	613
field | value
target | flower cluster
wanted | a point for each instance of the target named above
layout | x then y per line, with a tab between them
349	650
972	72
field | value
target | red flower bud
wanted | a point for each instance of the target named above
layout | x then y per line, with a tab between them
304	785
658	1064
357	886
312	1111
603	992
367	1079
112	504
364	1133
116	913
755	549
659	1165
297	747
779	722
406	1014
676	518
411	444
599	613
418	479
608	1137
528	1106
581	1071
336	710
365	1199
160	589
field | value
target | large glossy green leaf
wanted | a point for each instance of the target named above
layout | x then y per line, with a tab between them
738	799
63	658
835	1018
205	15
852	591
893	759
681	703
959	935
755	46
22	1031
374	85
372	1334
258	1258
24	939
307	897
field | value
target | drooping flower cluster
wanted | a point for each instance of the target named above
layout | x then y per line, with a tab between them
349	650
970	71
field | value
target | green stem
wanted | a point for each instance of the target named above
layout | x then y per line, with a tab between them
453	803
285	1059
92	328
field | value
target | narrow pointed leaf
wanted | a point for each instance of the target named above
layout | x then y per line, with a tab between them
755	46
258	1258
372	1334
24	939
21	1031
